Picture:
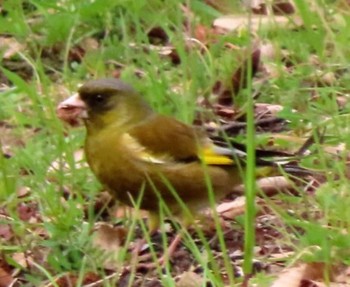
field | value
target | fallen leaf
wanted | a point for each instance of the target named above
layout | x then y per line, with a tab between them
157	36
190	279
304	275
290	277
27	211
233	208
267	109
23	191
270	185
108	237
236	22
6	232
6	278
9	47
277	8
21	259
71	279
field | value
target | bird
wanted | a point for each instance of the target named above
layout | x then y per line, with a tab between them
148	158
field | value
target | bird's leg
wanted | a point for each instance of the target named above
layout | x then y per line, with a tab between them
168	251
166	255
153	224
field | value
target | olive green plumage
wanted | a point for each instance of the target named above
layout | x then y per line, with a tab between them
133	150
130	148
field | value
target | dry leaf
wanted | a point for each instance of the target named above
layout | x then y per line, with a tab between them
303	275
23	191
270	185
268	52
238	81
236	22
291	277
6	278
270	109
277	7
233	208
108	237
336	150
342	275
9	47
6	232
90	44
157	36
190	279
27	212
22	259
79	161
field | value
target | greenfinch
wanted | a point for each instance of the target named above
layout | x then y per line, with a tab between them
145	157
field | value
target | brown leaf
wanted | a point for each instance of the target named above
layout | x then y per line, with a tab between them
21	258
283	8
108	237
71	279
262	110
26	212
233	208
9	47
76	54
224	6
239	78
343	275
157	35
90	44
305	275
277	8
23	191
291	277
6	232
270	185
190	279
6	278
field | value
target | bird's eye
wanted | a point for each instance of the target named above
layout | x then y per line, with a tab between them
99	99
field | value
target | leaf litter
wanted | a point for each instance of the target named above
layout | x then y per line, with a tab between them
185	268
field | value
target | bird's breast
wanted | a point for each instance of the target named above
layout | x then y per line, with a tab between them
112	163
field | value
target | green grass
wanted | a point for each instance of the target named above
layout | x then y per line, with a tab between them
316	226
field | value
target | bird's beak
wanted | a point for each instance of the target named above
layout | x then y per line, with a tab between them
72	110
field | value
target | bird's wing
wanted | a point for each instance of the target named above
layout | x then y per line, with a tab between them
162	139
165	138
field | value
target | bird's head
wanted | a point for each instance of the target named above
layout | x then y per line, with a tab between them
103	102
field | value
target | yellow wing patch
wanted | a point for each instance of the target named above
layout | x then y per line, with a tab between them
211	157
